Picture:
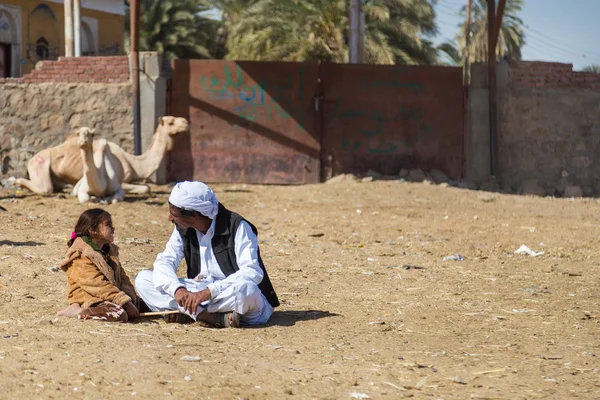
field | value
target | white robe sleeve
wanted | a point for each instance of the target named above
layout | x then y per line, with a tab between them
246	253
166	265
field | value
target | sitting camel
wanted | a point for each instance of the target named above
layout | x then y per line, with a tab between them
102	171
51	169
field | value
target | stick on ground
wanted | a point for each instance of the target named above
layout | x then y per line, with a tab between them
152	313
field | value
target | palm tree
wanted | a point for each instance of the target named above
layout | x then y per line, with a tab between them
304	30
174	28
410	30
448	54
229	12
594	68
510	39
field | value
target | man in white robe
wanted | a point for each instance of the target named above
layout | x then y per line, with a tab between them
226	280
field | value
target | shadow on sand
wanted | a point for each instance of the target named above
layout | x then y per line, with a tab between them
11	243
289	318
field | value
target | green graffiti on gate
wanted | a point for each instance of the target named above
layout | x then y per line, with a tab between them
262	101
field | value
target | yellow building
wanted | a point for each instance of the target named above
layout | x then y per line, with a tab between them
33	30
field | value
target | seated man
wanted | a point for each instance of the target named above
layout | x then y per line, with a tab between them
226	278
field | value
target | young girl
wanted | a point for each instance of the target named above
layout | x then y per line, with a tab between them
99	288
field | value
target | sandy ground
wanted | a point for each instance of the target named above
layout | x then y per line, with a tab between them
370	308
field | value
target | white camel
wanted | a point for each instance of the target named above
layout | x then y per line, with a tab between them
53	168
102	171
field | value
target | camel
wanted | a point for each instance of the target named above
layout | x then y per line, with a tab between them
53	168
102	171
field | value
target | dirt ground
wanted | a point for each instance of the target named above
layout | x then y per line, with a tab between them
370	308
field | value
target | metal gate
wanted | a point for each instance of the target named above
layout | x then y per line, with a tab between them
292	123
385	118
249	122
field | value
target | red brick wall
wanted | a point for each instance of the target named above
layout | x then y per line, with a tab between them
535	74
113	69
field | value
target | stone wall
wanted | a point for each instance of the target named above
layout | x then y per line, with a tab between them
40	110
548	128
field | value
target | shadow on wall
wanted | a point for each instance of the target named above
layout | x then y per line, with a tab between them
275	122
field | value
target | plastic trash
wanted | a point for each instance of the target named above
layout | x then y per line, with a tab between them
527	251
456	257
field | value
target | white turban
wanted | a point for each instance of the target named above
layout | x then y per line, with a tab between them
195	196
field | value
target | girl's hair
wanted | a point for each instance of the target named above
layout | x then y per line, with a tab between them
88	223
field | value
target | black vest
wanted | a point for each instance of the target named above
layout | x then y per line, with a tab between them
224	250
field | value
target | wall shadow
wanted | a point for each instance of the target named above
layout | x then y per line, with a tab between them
223	100
333	118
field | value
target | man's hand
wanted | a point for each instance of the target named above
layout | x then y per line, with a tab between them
191	301
131	310
181	295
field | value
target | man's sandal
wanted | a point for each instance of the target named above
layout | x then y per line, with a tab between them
222	320
180	318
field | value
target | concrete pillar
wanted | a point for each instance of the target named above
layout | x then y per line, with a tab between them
68	28
478	161
478	133
153	104
77	26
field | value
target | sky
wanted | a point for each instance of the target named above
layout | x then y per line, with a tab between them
564	31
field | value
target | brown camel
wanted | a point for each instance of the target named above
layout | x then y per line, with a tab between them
53	168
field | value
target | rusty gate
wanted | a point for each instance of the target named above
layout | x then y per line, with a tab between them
291	123
249	122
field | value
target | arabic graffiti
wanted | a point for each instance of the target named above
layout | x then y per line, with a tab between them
368	131
260	101
358	121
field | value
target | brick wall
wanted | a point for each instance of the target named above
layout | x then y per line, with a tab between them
548	125
78	70
535	74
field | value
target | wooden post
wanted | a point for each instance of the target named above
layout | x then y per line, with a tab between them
134	34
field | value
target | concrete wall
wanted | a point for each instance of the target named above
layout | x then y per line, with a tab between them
40	110
548	127
37	116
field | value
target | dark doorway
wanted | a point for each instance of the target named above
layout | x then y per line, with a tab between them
4	60
42	48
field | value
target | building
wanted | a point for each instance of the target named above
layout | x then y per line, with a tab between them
33	30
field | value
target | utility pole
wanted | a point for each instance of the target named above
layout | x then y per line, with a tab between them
466	61
361	39
492	87
354	40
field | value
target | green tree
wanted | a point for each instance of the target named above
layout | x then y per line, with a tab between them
175	28
510	39
448	54
396	31
595	68
229	12
410	30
